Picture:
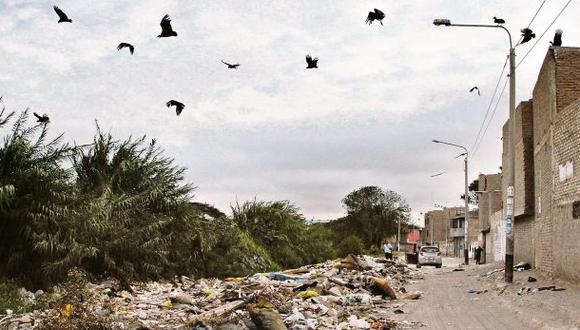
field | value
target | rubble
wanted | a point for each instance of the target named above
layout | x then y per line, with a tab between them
356	292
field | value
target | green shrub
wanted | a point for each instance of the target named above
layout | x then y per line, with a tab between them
351	244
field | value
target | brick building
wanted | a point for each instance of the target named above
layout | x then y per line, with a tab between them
489	202
446	229
547	188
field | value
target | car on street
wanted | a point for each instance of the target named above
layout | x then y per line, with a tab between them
429	256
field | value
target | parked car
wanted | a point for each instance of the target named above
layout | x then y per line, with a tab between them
429	256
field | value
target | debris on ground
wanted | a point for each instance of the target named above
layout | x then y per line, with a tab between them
532	279
522	266
476	291
357	292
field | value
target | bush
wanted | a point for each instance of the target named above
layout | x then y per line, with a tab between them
351	244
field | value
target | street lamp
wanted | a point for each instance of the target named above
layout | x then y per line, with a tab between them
465	236
509	249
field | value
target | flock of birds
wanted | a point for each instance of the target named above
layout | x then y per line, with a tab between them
312	62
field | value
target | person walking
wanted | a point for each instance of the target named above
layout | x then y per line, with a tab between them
477	255
388	249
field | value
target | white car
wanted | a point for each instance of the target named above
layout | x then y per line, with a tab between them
429	256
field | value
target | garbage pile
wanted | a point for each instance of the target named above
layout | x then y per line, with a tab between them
357	292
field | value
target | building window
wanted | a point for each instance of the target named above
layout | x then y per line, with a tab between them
427	221
566	171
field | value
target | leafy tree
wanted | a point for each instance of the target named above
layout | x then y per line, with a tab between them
473	195
372	214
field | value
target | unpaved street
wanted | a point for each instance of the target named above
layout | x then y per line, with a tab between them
447	304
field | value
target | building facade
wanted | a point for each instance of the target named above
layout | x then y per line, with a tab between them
547	182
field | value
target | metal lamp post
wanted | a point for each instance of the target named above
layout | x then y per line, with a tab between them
466	234
509	251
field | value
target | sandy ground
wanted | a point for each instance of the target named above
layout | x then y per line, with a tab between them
447	304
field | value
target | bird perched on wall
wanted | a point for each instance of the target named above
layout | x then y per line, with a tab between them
126	45
61	15
231	66
498	20
178	106
557	39
41	119
166	29
475	88
375	15
312	62
527	35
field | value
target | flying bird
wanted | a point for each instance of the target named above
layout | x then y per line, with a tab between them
178	106
312	62
41	119
475	88
231	66
375	15
126	45
527	35
557	38
61	15
498	20
166	29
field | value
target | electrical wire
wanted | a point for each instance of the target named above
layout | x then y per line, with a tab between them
491	117
490	104
549	26
533	18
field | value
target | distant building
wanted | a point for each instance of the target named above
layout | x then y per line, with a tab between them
445	228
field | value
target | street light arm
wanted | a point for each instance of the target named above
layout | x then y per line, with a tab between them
452	144
488	26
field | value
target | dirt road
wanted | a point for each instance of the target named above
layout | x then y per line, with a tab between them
447	304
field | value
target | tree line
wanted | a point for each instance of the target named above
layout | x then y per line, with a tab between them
122	208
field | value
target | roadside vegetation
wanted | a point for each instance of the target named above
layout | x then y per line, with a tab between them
121	208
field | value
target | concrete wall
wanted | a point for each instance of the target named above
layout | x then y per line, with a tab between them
495	251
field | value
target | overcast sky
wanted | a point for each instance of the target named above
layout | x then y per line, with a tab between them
272	129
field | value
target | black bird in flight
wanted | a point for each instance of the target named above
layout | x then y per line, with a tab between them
166	29
375	15
126	45
312	62
231	66
41	119
61	15
557	38
178	106
475	88
527	35
498	20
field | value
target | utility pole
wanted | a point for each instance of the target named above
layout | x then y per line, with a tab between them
509	216
466	234
466	228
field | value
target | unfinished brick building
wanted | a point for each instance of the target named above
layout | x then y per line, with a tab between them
547	187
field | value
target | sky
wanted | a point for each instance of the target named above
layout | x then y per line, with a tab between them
273	130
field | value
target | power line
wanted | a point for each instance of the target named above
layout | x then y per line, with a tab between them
490	103
492	115
549	26
533	18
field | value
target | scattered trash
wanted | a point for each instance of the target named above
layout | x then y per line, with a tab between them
412	295
308	294
532	279
476	291
351	293
524	290
458	270
266	317
522	266
550	288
